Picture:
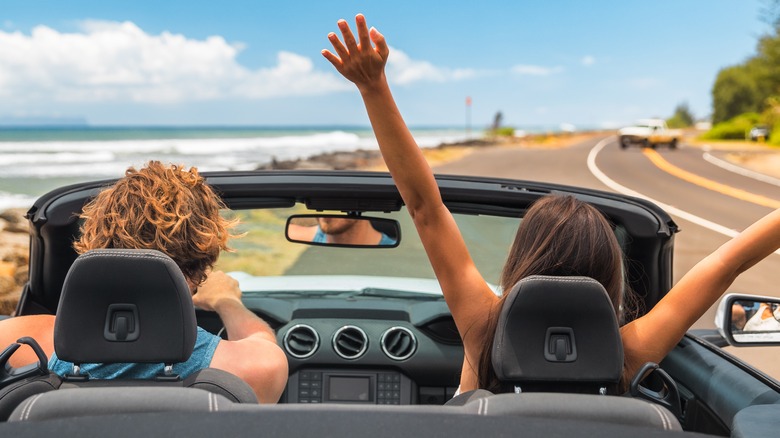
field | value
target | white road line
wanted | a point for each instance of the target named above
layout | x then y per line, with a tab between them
740	170
609	182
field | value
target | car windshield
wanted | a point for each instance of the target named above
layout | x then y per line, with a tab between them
264	261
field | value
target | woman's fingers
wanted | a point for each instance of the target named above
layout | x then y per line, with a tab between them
362	29
381	44
340	49
349	39
363	63
333	59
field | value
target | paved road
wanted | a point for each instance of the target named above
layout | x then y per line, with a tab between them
693	204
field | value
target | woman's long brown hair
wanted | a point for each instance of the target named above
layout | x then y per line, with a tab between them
563	236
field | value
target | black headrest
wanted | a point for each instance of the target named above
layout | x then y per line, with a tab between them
558	330
125	305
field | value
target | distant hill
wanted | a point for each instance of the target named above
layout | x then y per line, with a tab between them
10	122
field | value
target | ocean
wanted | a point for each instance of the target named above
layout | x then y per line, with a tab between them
36	160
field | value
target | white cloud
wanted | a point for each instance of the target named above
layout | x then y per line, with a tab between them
588	60
402	70
109	61
536	70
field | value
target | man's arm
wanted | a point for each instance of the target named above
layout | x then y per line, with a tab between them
38	327
251	351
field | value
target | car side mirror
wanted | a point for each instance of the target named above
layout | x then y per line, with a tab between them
746	320
343	231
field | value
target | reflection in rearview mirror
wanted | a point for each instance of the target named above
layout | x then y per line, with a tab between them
345	231
751	320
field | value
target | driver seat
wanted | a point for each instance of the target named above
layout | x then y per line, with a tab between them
123	306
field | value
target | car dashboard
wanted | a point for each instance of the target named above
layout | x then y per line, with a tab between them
361	349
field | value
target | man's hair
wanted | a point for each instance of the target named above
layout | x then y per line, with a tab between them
166	208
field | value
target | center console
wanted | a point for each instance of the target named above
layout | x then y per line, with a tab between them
376	387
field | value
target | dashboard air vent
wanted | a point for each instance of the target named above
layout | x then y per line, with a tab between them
301	341
443	330
398	343
350	342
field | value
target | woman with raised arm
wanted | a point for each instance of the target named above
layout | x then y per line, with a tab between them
558	236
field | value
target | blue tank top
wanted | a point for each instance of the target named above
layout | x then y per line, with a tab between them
205	345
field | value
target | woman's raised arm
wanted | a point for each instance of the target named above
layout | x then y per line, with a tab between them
363	63
651	337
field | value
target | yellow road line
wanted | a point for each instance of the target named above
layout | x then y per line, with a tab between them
670	168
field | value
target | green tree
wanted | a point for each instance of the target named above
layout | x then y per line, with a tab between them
735	92
765	67
749	93
682	118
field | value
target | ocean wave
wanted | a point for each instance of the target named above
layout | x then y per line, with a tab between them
186	146
13	200
85	170
57	158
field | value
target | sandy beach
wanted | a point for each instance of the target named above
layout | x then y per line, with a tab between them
14	236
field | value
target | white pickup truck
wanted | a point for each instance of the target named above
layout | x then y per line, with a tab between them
649	133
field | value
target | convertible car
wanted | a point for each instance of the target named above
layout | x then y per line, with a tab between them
372	347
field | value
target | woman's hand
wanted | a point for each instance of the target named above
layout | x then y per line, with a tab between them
359	61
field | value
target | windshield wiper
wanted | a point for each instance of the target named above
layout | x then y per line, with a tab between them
365	292
395	293
302	293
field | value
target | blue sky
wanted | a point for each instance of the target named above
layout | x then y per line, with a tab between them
589	63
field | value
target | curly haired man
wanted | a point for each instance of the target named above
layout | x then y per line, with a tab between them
172	210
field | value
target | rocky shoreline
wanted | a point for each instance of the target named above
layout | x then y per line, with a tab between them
353	160
14	257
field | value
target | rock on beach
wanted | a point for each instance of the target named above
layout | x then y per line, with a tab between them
14	258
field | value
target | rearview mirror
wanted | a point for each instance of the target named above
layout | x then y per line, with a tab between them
749	320
344	231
